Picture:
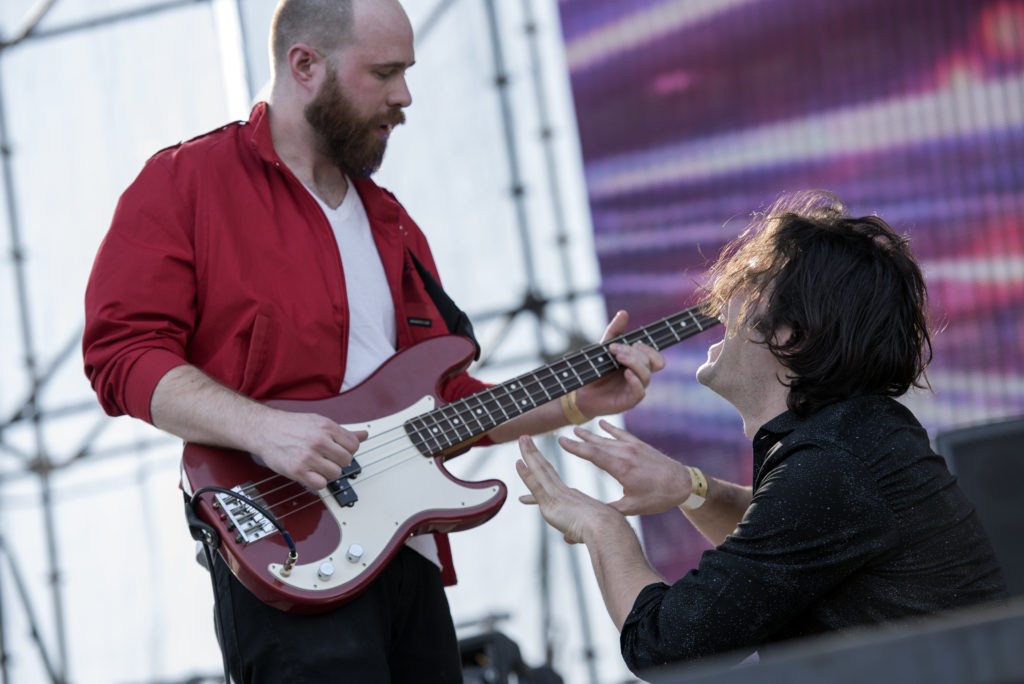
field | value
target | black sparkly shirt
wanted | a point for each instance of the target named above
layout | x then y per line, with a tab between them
854	521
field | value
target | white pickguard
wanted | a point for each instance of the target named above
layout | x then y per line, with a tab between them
397	483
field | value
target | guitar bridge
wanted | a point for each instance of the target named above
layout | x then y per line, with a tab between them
249	523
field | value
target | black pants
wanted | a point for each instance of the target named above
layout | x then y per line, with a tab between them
398	630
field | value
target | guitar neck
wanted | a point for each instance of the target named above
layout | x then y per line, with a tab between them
461	421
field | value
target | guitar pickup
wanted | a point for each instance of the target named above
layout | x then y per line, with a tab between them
341	489
351	470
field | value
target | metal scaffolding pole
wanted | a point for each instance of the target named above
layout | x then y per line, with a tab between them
533	301
41	463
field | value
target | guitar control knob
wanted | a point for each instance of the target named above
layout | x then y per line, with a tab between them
354	553
325	571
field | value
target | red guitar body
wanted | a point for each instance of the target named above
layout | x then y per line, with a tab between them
344	539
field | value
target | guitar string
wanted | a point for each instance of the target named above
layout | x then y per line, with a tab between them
380	466
377	473
534	380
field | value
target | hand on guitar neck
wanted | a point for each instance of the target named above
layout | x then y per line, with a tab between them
613	393
621	391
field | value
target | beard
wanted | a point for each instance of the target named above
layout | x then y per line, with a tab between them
354	143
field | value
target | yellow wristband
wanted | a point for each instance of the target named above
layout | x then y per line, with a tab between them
698	489
571	410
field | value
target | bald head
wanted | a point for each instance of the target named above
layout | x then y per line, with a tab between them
326	25
323	24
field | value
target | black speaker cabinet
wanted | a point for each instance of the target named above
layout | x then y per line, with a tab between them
989	462
980	645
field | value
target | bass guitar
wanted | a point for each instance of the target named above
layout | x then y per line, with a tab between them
309	551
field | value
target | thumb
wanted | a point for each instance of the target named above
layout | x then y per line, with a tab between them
622	506
616	326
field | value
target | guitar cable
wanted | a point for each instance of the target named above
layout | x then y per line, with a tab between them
207	535
218	621
292	553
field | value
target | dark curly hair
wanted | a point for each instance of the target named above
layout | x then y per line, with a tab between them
848	288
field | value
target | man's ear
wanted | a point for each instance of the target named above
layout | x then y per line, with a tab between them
305	65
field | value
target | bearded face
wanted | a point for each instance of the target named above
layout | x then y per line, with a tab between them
355	143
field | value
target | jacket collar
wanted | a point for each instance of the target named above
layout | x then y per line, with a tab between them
259	133
381	206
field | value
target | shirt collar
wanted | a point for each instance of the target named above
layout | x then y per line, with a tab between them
768	439
777	428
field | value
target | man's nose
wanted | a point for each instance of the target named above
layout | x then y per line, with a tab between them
400	96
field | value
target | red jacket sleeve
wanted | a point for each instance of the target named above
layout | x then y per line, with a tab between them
140	299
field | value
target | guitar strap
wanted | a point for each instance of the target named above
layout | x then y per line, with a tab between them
454	318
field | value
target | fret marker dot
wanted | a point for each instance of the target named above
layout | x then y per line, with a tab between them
456	421
523	402
479	411
435	431
600	358
565	374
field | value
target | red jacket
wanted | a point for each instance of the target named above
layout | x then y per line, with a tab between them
219	257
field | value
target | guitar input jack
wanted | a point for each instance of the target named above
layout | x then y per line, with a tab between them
289	563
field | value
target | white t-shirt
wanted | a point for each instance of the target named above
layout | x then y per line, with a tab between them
371	322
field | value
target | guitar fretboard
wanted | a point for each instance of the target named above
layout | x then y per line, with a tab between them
461	421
